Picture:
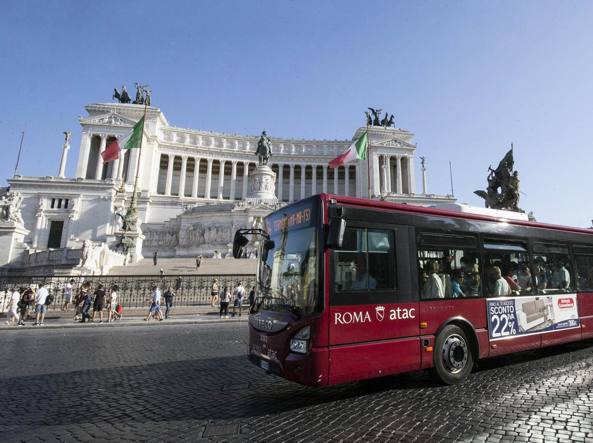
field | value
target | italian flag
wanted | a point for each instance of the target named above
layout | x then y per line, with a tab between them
356	151
129	141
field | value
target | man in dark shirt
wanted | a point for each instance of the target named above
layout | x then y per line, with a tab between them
99	302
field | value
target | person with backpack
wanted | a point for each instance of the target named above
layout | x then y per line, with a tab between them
169	294
225	299
26	300
239	293
42	300
87	301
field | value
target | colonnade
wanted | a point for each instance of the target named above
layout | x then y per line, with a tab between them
394	174
94	167
227	179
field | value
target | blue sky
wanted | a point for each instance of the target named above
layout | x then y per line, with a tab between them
467	77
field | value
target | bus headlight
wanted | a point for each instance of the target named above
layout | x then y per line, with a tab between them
300	342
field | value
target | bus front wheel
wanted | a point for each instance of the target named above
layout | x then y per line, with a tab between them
453	359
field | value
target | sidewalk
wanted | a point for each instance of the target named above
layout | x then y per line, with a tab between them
131	317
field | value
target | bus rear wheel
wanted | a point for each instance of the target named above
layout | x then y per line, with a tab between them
453	359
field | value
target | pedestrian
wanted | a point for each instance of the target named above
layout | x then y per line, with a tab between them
12	314
239	293
155	258
178	283
112	303
24	304
252	296
99	302
68	294
162	273
198	261
41	298
225	298
155	304
78	301
214	293
169	294
87	301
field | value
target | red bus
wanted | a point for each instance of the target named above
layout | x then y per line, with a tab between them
352	289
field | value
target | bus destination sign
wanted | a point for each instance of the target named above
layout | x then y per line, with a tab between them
296	217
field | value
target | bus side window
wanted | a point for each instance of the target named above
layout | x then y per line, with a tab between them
552	273
584	264
506	269
366	261
449	273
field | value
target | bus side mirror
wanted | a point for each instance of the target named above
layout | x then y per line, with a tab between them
335	235
268	244
239	242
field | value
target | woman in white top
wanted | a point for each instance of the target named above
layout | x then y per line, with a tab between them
112	302
12	313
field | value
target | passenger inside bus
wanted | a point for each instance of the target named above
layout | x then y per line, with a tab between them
363	279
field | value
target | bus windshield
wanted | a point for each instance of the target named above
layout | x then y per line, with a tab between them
288	272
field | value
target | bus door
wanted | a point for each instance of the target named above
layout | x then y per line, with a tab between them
450	287
373	308
583	257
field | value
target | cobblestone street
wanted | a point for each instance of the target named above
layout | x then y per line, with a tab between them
192	382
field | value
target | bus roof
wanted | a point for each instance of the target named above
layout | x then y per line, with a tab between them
411	208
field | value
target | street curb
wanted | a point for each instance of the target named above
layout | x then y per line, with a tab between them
78	325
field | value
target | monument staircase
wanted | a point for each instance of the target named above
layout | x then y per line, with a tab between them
187	266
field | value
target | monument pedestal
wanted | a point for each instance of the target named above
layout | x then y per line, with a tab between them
262	186
11	234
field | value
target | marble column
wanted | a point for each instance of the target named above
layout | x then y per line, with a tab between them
99	170
115	168
303	177
221	179
291	185
314	180
182	176
208	178
64	159
388	170
280	182
324	179
383	174
169	181
83	160
194	189
233	179
245	179
398	183
120	166
376	170
411	177
346	180
358	180
336	178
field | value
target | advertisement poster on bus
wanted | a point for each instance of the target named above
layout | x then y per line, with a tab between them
516	316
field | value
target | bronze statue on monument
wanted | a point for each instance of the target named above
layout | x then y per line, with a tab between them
264	149
503	186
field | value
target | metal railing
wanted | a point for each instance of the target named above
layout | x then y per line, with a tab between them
134	290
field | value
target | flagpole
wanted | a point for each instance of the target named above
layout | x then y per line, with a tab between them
18	158
368	167
133	202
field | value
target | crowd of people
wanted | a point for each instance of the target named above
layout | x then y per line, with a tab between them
97	303
223	298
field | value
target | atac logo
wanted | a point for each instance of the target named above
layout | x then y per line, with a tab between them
380	312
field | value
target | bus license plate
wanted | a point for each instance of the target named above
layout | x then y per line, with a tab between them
264	365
